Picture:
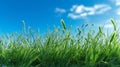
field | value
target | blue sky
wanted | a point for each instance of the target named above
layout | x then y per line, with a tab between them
44	14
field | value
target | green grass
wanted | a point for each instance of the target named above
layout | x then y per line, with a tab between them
61	48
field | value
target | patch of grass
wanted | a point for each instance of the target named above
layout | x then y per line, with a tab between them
60	48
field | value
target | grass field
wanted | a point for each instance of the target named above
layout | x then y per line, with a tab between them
60	48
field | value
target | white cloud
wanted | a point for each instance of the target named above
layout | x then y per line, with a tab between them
100	9
118	11
78	11
73	16
60	10
83	14
117	2
117	5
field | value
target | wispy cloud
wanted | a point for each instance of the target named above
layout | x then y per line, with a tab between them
118	11
117	2
60	10
79	11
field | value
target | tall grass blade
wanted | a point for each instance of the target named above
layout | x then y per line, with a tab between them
100	29
113	36
114	24
63	24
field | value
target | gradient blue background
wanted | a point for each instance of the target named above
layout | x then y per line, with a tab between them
41	14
